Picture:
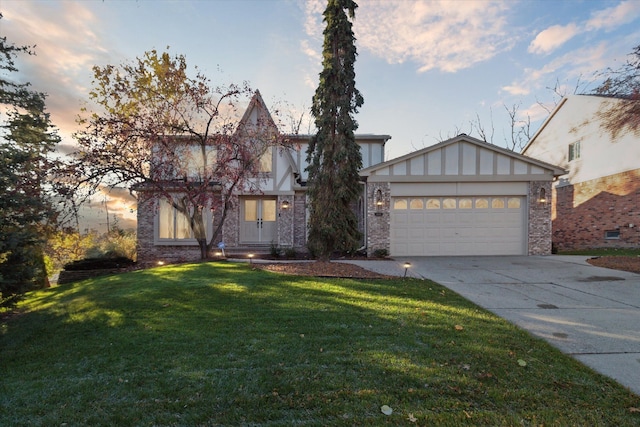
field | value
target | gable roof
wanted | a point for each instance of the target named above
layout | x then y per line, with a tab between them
462	158
263	116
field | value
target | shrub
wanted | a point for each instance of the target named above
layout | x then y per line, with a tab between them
275	251
381	253
290	253
99	263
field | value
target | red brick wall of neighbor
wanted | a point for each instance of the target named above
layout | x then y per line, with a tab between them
583	212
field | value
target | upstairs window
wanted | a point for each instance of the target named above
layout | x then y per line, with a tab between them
266	161
574	151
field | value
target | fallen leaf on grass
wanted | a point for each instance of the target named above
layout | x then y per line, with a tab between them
459	327
386	410
411	418
634	409
522	362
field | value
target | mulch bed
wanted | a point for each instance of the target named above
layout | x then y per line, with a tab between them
624	263
321	269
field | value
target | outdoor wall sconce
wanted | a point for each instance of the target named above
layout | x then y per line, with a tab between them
543	196
378	202
406	266
285	204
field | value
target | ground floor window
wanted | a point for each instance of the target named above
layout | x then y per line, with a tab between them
172	224
174	227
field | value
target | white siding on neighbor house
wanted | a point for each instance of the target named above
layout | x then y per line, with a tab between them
576	119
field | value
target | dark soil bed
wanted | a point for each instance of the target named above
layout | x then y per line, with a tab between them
625	263
321	269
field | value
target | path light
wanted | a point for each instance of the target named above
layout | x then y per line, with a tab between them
250	258
161	262
407	266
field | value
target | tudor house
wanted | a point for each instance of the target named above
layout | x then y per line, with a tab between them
597	203
459	197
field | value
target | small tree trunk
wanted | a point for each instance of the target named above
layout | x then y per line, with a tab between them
204	253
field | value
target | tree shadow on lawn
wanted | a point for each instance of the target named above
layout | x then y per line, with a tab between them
221	343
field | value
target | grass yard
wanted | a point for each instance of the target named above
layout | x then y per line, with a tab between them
222	344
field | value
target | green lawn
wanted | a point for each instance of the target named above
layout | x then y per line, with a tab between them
221	344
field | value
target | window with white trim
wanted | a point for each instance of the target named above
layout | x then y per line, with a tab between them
172	224
174	227
574	151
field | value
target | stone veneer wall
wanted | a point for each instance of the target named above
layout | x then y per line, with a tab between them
285	221
300	221
583	212
539	240
231	228
378	218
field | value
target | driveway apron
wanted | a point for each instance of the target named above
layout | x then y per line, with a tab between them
590	313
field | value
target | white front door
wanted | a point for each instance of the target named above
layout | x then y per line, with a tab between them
258	220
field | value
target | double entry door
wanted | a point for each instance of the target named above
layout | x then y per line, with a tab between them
258	220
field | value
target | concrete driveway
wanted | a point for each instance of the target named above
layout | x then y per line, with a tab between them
590	313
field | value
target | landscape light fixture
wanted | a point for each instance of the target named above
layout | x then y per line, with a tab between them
160	262
406	266
250	258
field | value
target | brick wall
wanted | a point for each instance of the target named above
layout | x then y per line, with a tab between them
539	222
378	217
583	212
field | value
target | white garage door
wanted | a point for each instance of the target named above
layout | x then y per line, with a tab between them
458	226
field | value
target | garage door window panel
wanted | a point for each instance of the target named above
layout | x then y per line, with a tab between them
482	203
400	204
416	204
433	204
497	203
449	204
465	204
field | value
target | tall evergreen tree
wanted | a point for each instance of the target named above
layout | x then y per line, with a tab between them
334	157
26	140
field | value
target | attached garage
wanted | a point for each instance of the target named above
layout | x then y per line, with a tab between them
460	197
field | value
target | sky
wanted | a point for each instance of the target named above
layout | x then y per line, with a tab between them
427	69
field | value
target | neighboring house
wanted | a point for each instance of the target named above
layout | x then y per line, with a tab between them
597	204
459	197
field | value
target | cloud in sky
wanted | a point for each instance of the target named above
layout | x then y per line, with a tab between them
66	45
615	16
607	19
552	38
432	34
576	64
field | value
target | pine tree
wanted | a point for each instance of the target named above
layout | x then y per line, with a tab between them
26	140
334	157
